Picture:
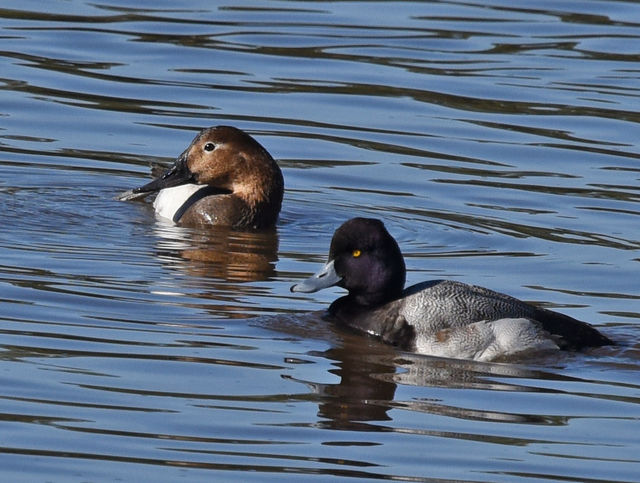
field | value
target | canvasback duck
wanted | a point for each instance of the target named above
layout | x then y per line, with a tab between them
439	317
225	177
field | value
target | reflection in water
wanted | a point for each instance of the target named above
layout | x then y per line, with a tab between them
219	252
370	372
363	393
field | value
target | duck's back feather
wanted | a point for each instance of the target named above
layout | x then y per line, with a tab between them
453	319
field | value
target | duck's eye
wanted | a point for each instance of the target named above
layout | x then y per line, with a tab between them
209	147
356	253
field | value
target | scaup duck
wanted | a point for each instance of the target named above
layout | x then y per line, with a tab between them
440	317
225	177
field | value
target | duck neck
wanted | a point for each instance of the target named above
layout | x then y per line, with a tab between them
263	202
366	300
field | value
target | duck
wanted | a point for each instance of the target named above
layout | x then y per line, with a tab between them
443	318
225	177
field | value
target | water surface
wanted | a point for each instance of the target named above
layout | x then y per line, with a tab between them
498	143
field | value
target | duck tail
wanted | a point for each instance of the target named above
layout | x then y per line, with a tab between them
574	334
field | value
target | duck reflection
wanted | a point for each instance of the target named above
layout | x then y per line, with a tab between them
371	372
219	251
366	388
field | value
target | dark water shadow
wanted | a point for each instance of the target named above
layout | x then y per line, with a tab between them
218	252
370	374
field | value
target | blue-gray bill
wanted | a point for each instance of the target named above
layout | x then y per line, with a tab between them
323	278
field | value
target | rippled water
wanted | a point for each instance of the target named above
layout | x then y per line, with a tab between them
499	143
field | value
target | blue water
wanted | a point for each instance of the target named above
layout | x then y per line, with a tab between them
498	143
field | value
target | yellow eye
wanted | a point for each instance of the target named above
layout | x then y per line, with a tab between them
356	253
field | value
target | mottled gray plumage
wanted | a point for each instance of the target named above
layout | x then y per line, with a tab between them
439	317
